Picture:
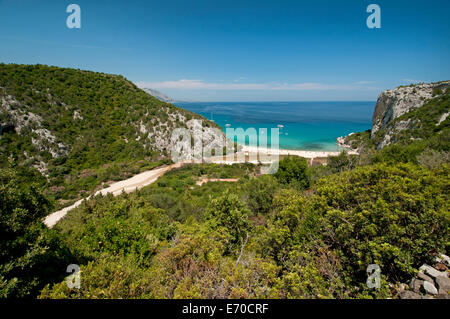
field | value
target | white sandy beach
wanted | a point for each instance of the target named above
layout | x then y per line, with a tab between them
146	178
301	153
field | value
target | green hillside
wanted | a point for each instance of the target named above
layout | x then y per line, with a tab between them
427	124
81	128
304	232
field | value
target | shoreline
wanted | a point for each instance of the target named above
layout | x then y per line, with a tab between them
301	153
148	177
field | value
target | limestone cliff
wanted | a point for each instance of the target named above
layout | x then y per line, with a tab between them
61	120
388	121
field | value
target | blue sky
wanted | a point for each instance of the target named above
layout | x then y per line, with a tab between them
238	50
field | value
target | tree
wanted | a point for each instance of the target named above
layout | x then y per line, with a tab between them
260	194
292	171
229	212
27	257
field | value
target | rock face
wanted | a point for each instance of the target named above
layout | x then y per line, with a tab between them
429	288
26	122
432	272
443	284
54	126
388	126
160	96
430	282
392	104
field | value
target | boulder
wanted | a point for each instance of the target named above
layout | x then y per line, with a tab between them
429	288
445	259
409	295
440	267
424	277
443	284
416	285
430	271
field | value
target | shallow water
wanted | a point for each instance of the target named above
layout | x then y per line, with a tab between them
306	125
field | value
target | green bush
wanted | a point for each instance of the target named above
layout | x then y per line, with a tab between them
292	171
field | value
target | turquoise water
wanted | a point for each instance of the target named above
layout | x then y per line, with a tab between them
306	125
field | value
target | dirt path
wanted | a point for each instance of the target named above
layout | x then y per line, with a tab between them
206	180
129	185
146	178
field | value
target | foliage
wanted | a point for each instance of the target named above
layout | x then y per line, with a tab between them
359	140
260	192
104	122
305	232
28	258
292	171
229	213
316	244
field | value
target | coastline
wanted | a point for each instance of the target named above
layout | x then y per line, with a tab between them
146	178
301	153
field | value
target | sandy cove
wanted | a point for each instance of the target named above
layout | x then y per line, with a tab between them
301	153
148	177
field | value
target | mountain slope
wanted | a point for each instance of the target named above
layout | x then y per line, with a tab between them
416	114
160	96
79	124
404	110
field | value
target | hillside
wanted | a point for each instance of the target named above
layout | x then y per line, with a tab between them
304	232
421	107
415	116
160	96
81	128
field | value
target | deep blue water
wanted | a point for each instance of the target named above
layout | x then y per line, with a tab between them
307	125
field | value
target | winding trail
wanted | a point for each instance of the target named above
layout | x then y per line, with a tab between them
128	185
148	177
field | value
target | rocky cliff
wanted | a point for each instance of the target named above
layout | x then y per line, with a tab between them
60	120
159	95
389	118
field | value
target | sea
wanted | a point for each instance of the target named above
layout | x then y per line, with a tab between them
310	126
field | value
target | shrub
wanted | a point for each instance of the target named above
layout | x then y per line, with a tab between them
292	171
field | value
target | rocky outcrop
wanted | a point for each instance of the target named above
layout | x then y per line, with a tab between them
342	143
392	104
160	96
430	282
153	132
160	134
18	117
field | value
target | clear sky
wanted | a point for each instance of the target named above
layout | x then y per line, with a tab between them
218	50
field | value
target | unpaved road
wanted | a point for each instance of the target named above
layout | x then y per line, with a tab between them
128	185
148	177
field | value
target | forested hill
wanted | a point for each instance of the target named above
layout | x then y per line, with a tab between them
82	125
304	232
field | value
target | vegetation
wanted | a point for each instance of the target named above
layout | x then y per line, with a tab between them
292	171
304	232
306	245
81	128
29	255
